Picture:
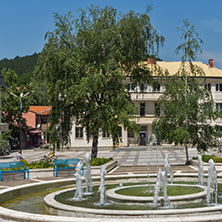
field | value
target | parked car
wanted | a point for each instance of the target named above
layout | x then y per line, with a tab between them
5	148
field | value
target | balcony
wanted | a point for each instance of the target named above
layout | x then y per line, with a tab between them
146	96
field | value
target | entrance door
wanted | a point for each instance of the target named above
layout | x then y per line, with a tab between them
142	139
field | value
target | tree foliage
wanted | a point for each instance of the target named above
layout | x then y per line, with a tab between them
187	107
85	63
11	105
21	65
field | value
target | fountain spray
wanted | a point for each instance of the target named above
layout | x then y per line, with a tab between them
162	182
212	182
87	173
79	192
102	188
200	171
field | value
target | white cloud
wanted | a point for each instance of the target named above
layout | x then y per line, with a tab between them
215	24
216	56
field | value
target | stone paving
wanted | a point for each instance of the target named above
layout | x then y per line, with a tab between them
131	160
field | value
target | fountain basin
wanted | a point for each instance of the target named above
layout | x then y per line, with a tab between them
212	213
179	199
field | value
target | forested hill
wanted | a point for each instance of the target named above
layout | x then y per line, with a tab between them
21	65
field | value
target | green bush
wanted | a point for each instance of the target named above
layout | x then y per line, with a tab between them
206	158
217	159
43	163
99	161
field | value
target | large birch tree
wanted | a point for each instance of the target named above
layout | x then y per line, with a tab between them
85	63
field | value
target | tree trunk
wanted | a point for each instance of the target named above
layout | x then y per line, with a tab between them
94	146
187	156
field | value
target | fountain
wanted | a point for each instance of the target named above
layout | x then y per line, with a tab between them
212	182
102	188
87	174
79	191
138	208
152	140
158	185
200	171
162	182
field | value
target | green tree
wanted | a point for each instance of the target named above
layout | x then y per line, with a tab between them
10	104
85	63
187	107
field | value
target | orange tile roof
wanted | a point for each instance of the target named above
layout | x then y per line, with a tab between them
42	110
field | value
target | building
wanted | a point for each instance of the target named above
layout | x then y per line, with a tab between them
37	122
147	96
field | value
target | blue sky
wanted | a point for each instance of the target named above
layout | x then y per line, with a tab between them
23	23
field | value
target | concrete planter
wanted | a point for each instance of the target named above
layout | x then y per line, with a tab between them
206	165
48	172
12	176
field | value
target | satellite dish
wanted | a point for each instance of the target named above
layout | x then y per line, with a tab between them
38	125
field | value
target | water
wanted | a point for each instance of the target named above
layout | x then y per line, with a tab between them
168	169
158	185
200	171
102	188
87	173
212	183
165	183
148	168
153	141
162	182
22	203
79	191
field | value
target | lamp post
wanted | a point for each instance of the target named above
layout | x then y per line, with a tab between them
20	116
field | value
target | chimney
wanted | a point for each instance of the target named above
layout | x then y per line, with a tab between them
151	61
211	63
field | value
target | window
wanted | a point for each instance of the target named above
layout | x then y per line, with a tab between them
79	132
131	87
106	134
219	106
28	138
43	121
143	87
130	135
156	87
157	109
208	86
219	87
219	128
142	109
120	131
142	128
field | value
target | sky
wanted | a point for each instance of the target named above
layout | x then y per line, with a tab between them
24	23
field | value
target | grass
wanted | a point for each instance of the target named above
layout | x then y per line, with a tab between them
171	191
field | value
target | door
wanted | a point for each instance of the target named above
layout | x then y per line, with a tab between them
142	139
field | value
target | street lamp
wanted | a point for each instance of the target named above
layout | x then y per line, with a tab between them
20	116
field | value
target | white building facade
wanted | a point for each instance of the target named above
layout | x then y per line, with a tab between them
147	96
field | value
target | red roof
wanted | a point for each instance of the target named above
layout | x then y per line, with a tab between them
41	110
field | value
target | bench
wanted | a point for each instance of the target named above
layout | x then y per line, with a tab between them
65	164
13	167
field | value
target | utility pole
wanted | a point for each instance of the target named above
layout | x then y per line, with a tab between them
20	117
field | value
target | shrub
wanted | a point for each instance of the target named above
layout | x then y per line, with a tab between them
99	161
206	158
217	159
43	163
25	162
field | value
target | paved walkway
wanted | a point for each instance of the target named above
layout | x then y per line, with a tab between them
131	160
130	156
